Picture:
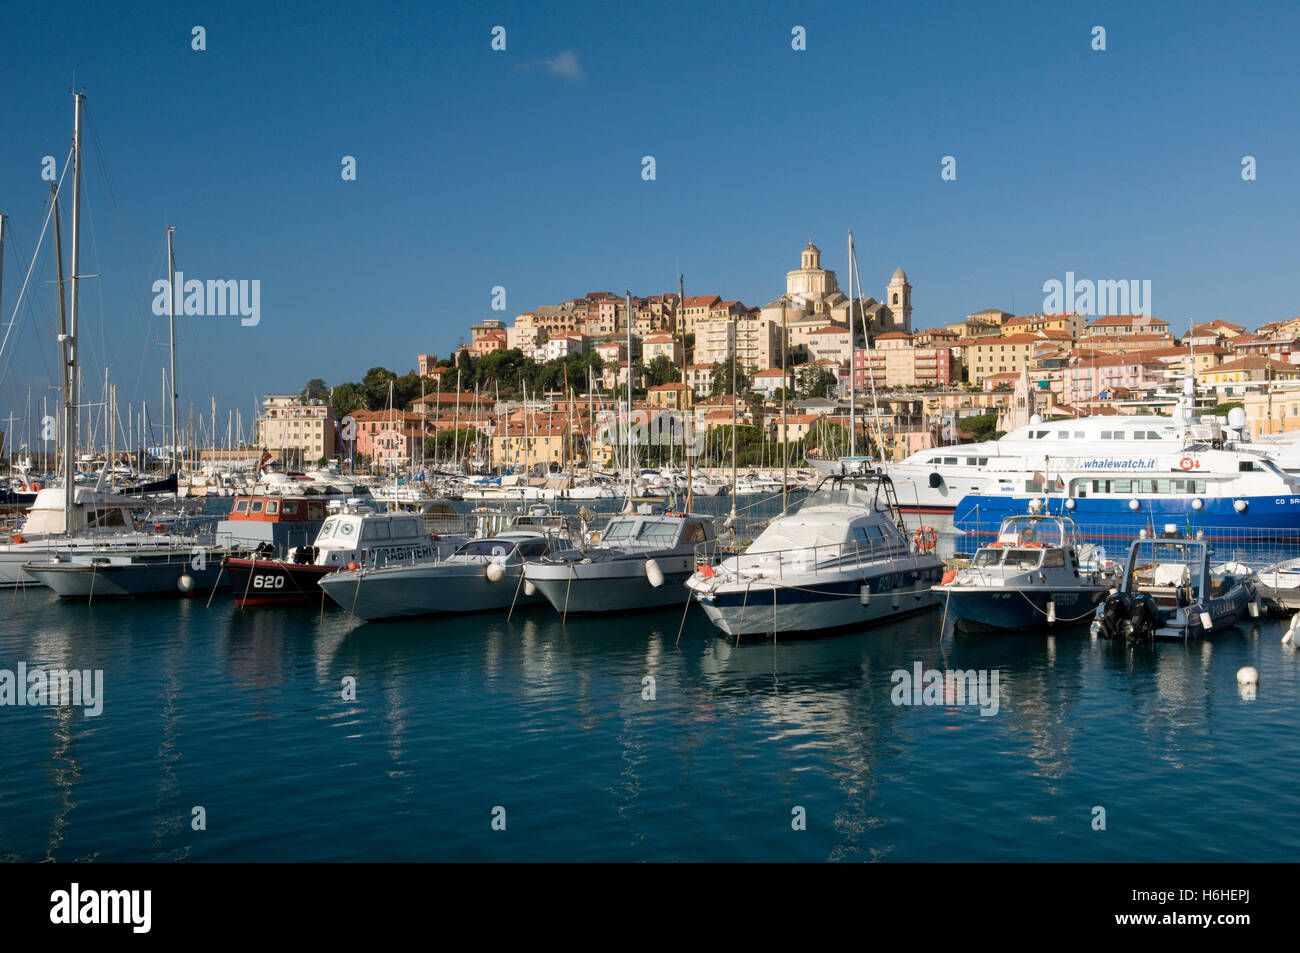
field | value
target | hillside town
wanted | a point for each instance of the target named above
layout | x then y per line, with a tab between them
800	359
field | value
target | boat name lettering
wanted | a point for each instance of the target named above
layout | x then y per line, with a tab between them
1112	463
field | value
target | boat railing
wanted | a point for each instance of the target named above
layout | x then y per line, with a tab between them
801	561
1257	547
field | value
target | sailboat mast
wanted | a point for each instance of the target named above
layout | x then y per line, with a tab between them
686	456
853	367
629	400
70	340
171	321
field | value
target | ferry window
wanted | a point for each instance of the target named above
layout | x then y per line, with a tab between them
1139	435
272	507
1079	435
241	506
1200	486
290	507
1152	435
1121	486
376	529
983	461
971	461
1105	435
257	506
1248	466
1054	559
1164	487
951	461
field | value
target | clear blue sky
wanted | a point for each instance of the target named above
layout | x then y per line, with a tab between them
522	169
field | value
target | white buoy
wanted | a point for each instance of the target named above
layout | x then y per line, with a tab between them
1253	609
1240	506
1134	505
495	572
1198	504
654	573
185	583
1051	610
1069	504
1247	676
1207	623
529	588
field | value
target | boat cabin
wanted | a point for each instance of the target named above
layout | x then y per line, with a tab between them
359	534
640	531
269	519
1174	572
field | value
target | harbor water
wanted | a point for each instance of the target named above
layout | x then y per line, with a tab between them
637	737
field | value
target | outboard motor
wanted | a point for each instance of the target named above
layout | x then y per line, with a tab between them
1144	616
1114	614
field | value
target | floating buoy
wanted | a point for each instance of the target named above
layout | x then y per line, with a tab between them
1247	676
1069	504
353	567
1134	505
529	588
185	583
1051	610
1198	504
495	572
1253	609
654	573
1207	623
1240	506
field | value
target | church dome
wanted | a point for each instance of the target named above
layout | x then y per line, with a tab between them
811	247
899	273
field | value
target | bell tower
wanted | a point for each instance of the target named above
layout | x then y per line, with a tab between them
898	298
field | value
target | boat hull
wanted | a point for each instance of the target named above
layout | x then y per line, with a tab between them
274	582
1001	609
430	590
140	579
820	601
616	585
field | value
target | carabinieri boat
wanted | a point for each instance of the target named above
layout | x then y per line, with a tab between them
1033	576
841	558
1170	593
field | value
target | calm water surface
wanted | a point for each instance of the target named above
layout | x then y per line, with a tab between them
242	713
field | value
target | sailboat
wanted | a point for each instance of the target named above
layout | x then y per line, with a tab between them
74	520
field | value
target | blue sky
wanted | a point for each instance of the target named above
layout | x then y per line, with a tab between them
478	168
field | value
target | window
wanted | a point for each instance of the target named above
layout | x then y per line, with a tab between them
241	506
272	507
1054	559
257	506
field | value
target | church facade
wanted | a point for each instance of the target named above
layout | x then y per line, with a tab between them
813	302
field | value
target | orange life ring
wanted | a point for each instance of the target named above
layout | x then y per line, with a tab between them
1187	463
926	538
35	487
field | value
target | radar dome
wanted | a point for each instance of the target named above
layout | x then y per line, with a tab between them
1236	418
1036	420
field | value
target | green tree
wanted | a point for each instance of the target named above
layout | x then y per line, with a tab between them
316	389
663	371
979	427
815	381
345	398
721	380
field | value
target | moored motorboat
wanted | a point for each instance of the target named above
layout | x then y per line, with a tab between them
1170	593
480	575
842	558
1033	575
637	561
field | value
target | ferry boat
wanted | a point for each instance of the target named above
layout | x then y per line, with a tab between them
1034	575
352	535
842	558
1170	593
